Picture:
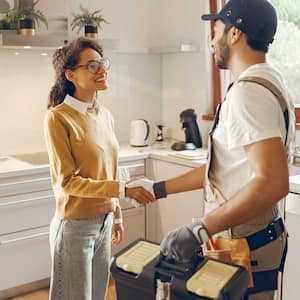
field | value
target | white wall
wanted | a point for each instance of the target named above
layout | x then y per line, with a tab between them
25	81
184	82
185	76
132	22
154	87
140	25
27	78
134	91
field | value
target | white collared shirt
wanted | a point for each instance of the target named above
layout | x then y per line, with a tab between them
78	105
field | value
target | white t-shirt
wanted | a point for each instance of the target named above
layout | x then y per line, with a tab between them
249	114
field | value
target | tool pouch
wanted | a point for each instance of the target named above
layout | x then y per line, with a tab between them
235	251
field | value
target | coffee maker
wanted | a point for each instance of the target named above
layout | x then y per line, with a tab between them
193	140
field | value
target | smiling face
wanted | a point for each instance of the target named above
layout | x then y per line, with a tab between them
220	46
86	76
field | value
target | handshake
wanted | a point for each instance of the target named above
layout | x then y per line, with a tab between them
145	191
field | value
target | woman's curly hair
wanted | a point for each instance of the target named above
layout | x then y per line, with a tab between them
66	58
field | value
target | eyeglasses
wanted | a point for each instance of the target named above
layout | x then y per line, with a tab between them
95	65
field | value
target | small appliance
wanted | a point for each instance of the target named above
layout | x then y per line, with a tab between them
139	133
193	140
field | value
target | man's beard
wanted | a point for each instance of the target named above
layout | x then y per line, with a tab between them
222	53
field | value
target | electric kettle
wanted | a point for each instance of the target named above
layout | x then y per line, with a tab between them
139	133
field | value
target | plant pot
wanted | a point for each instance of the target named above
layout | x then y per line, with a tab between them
90	31
26	27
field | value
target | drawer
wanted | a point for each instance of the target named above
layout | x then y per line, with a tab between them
134	227
136	167
25	211
25	186
24	258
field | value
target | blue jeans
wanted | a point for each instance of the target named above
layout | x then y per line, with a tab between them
80	251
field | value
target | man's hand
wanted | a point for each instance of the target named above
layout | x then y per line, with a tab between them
144	183
118	232
183	244
141	190
156	189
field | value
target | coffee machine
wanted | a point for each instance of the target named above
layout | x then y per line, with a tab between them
193	140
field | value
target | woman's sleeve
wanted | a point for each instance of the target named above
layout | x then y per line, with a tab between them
63	166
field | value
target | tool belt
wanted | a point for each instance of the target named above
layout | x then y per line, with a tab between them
237	251
267	235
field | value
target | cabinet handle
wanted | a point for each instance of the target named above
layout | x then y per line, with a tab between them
29	237
24	201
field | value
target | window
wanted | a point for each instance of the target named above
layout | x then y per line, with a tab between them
284	53
215	6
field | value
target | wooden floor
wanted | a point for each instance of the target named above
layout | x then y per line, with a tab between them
44	294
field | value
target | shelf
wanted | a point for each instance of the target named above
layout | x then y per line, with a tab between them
9	39
182	48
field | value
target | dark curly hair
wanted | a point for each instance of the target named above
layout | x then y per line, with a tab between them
66	58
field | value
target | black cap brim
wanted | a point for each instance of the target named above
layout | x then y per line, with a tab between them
211	17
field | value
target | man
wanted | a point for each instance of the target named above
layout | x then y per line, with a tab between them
247	172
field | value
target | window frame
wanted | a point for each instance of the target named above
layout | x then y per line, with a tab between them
216	78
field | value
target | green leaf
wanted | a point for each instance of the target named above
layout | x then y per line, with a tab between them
86	17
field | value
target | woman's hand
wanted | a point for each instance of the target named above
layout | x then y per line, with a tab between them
140	194
118	233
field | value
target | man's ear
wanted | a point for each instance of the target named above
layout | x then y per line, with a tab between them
235	35
69	75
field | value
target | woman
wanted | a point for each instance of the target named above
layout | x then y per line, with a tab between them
83	155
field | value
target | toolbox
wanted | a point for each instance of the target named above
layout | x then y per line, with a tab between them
141	272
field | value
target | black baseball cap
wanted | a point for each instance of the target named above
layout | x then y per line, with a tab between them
256	18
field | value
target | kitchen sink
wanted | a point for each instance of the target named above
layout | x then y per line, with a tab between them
23	161
37	158
8	163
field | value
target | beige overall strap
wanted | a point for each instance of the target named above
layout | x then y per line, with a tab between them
270	86
281	100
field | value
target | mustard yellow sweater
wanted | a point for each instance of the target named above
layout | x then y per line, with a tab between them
83	156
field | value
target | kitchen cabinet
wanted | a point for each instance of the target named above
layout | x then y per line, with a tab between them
174	211
291	277
27	205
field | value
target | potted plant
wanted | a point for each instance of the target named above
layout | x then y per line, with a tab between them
91	21
26	18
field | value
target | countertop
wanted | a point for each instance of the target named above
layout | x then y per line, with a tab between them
35	163
38	162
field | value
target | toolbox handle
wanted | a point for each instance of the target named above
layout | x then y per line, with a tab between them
181	268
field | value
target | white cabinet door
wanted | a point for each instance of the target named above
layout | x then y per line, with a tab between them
174	211
24	258
26	211
291	289
134	227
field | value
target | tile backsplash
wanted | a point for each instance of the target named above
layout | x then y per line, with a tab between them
155	87
26	77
